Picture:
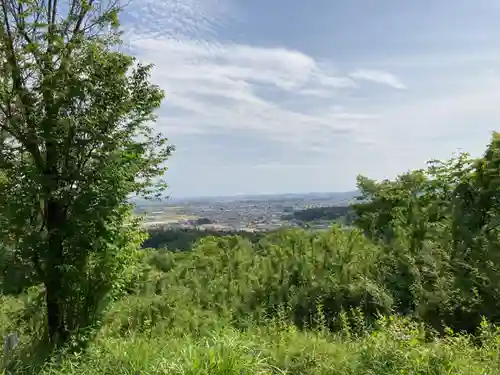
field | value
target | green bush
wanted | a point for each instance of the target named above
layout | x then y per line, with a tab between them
438	228
294	269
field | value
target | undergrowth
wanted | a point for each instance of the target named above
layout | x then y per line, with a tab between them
297	302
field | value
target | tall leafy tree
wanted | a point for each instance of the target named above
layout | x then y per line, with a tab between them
76	141
443	229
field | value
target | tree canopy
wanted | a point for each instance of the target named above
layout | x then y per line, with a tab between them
76	140
444	221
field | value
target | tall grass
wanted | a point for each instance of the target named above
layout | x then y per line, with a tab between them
397	346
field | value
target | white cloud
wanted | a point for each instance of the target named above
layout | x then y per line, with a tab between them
378	76
177	18
339	82
214	86
217	86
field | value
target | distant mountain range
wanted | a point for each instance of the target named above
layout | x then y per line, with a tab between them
340	197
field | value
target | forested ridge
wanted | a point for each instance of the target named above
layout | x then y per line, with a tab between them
329	213
185	239
413	288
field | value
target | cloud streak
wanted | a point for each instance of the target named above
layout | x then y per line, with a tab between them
216	86
378	76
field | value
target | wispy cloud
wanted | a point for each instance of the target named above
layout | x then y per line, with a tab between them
378	76
253	105
177	18
213	86
219	86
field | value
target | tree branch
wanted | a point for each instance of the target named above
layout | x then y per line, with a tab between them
18	85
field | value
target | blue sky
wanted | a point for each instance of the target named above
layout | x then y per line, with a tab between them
299	96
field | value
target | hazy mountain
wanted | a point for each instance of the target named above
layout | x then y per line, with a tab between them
335	197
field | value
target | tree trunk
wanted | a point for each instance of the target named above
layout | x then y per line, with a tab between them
55	222
55	288
55	317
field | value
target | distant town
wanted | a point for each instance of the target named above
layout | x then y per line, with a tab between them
247	213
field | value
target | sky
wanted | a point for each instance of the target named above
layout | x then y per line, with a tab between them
293	96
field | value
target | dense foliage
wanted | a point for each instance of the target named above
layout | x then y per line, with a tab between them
330	213
76	142
442	226
184	239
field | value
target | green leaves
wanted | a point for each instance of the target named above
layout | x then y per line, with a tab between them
440	226
77	146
